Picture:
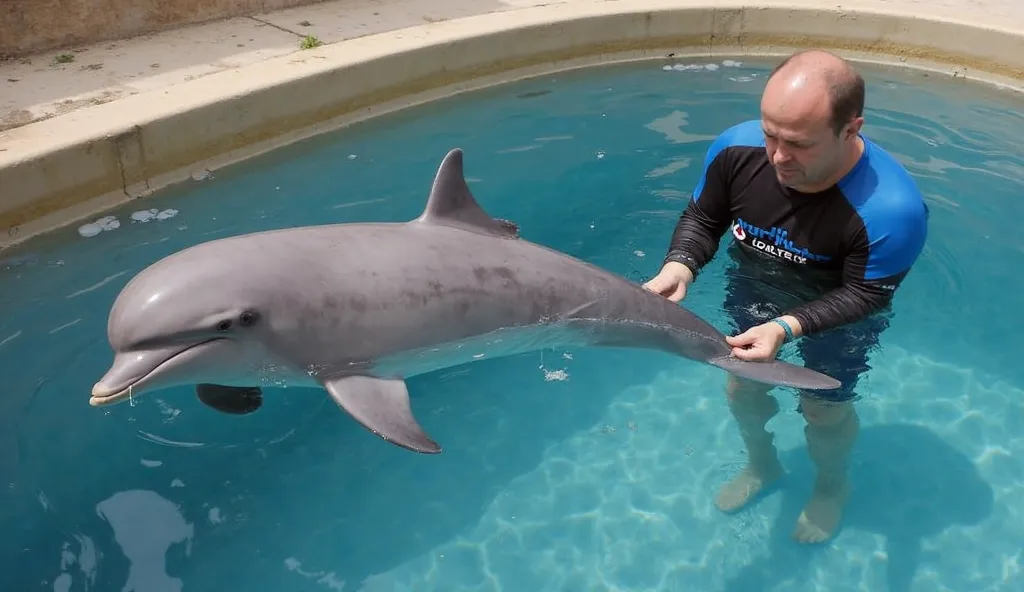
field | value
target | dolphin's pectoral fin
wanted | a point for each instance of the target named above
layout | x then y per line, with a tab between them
451	203
230	399
381	405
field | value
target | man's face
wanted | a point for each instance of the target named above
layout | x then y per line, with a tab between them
799	139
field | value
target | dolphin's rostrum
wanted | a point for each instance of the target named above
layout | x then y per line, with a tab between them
358	308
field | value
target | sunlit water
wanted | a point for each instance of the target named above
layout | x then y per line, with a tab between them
572	471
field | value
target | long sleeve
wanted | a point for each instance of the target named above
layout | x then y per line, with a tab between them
879	261
697	234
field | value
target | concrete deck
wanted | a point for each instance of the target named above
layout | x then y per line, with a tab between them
119	120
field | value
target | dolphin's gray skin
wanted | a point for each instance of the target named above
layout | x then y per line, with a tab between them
357	308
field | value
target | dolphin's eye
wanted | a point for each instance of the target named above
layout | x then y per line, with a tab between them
247	318
223	325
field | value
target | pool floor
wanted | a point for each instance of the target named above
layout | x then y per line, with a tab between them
577	470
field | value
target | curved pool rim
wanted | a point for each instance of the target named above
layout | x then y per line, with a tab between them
59	171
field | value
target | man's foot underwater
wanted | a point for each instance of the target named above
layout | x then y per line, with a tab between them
818	520
820	517
746	486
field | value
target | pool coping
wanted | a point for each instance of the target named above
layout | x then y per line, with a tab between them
61	170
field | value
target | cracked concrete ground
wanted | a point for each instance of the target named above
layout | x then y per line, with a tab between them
51	83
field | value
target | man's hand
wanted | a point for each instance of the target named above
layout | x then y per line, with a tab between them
671	281
762	343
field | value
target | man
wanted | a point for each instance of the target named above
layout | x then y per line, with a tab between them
825	225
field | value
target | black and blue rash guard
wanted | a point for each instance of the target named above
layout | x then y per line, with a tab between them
843	250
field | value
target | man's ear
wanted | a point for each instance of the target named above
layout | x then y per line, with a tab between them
853	128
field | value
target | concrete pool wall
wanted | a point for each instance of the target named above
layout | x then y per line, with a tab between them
62	169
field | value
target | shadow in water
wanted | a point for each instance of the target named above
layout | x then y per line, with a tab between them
907	485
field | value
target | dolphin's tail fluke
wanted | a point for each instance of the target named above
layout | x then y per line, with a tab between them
777	373
698	341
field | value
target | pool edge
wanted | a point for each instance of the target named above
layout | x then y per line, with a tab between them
104	155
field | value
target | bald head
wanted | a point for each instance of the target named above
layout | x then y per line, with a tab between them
817	83
812	112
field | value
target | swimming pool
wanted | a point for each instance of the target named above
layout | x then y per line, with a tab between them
562	470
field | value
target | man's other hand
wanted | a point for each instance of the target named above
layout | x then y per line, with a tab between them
760	343
671	281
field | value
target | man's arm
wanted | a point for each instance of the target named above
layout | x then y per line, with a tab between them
707	216
871	274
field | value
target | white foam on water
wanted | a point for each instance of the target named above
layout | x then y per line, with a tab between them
710	67
89	230
554	375
104	224
108	223
144	215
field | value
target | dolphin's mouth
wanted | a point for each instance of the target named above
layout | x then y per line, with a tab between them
133	371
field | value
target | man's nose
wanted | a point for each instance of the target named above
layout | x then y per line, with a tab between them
781	156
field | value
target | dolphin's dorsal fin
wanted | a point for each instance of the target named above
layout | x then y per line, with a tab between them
451	203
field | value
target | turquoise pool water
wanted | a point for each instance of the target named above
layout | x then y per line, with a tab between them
579	470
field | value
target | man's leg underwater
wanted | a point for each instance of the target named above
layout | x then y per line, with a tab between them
831	431
750	404
751	407
832	423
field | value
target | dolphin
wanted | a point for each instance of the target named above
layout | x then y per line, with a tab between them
357	308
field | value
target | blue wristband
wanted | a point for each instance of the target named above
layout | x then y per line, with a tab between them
785	326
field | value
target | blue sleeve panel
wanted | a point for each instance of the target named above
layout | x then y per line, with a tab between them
708	215
747	134
893	212
888	235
